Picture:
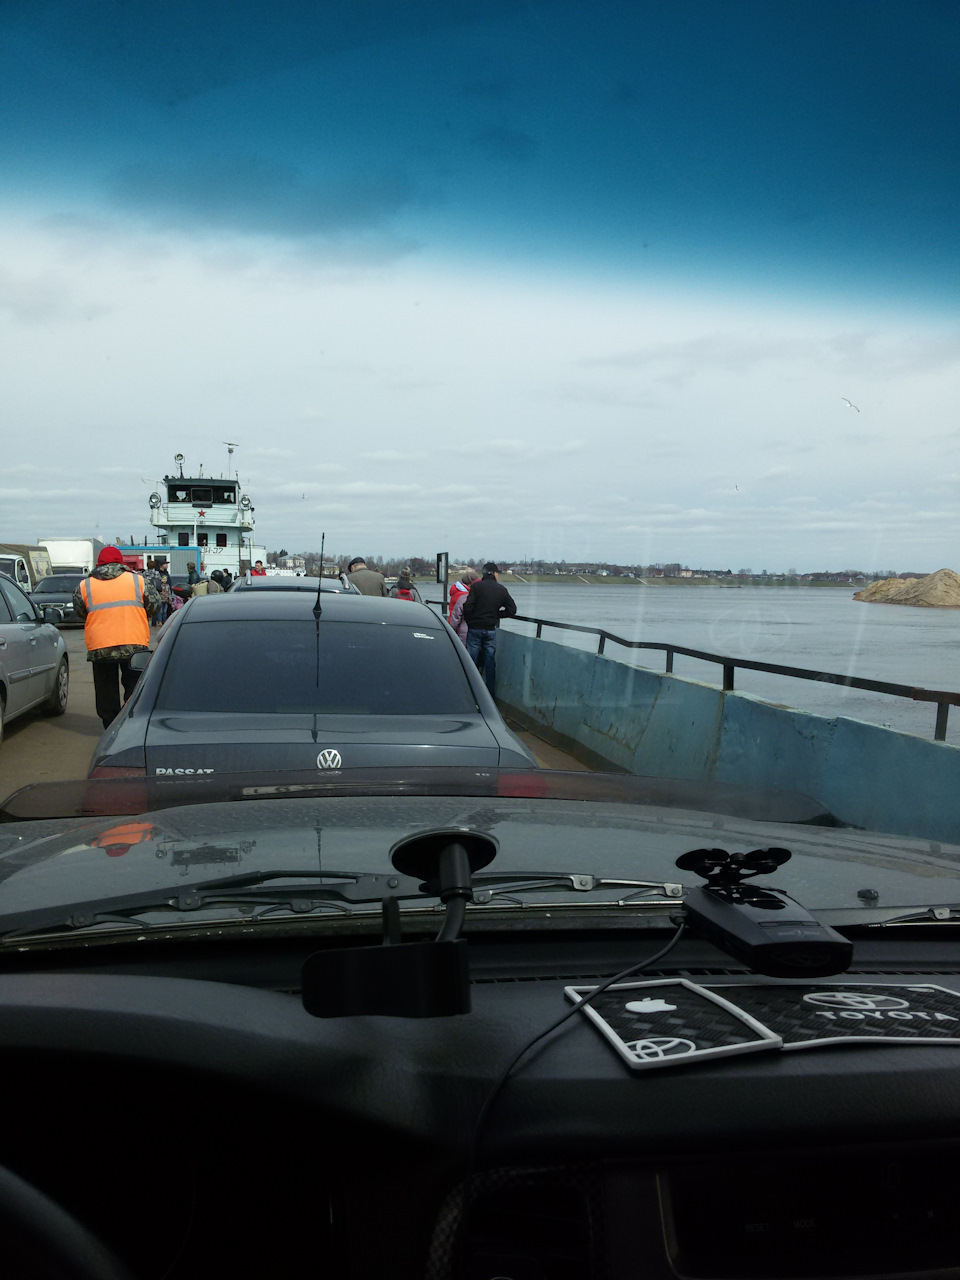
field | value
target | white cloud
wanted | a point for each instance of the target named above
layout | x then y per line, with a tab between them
551	414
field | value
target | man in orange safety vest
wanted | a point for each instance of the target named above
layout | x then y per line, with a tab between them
116	603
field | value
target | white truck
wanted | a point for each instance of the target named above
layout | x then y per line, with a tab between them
72	555
26	565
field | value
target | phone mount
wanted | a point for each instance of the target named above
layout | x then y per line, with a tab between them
408	979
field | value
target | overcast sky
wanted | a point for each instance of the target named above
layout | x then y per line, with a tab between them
580	281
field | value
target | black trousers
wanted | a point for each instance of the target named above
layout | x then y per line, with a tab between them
108	675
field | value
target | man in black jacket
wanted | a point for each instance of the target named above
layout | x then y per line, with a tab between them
483	608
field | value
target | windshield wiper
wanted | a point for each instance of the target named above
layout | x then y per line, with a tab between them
340	891
650	892
917	915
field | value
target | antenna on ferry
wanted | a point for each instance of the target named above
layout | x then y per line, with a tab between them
230	449
316	607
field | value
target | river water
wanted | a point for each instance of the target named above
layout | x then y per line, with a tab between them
815	627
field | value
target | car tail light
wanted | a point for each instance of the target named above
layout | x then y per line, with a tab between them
532	786
118	771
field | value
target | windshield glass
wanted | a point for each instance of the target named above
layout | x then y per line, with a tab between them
306	667
60	585
623	336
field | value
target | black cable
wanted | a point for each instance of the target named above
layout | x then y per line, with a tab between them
491	1097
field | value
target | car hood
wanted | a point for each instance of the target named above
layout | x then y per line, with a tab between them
45	864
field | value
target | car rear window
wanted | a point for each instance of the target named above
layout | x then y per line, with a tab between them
344	668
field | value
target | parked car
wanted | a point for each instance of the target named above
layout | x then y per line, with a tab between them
34	667
255	680
277	582
57	592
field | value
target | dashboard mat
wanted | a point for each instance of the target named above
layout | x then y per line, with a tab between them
807	1015
670	1022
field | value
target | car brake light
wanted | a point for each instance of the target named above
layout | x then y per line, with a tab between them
532	786
117	771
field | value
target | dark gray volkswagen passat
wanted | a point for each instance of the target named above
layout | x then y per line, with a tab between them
254	680
57	592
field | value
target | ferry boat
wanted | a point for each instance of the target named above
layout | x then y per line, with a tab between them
209	520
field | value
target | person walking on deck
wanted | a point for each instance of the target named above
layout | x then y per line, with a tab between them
367	581
403	588
487	602
116	604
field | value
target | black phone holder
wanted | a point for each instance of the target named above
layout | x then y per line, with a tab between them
407	979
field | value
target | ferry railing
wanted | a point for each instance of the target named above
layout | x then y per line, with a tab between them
943	698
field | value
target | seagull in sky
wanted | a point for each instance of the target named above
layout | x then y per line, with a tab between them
849	403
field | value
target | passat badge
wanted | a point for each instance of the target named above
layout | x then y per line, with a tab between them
329	759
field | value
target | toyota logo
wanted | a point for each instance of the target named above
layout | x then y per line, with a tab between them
329	759
656	1048
859	1000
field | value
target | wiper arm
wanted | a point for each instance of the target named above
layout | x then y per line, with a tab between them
650	892
918	915
339	890
247	888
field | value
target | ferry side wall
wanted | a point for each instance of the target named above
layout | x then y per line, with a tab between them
665	726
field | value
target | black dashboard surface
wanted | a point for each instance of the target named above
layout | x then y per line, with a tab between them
206	1122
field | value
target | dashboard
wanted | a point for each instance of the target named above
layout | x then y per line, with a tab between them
177	1100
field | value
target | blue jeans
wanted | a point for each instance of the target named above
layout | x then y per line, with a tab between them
482	648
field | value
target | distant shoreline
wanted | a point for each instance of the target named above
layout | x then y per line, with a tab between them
591	580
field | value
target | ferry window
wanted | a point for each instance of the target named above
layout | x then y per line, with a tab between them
176	495
221	539
183	539
224	495
201	495
201	539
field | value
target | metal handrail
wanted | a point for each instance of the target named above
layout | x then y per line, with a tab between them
944	698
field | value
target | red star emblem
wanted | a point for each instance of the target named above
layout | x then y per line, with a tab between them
201	514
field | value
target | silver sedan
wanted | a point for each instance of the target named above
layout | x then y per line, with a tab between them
34	667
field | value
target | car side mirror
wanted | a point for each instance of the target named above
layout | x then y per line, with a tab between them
140	661
52	614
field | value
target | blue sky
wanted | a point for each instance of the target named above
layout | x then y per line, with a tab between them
575	280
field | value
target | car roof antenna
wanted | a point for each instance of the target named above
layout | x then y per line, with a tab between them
316	608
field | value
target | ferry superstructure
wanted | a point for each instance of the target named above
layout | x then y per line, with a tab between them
207	516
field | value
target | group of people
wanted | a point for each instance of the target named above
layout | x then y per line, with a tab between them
117	604
477	603
371	583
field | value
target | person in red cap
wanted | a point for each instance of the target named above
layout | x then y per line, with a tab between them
116	604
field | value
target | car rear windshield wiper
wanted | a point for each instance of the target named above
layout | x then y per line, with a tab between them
339	891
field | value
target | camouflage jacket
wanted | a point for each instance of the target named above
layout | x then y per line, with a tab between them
151	602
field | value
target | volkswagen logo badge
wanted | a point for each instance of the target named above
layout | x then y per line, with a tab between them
329	759
656	1048
858	1000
